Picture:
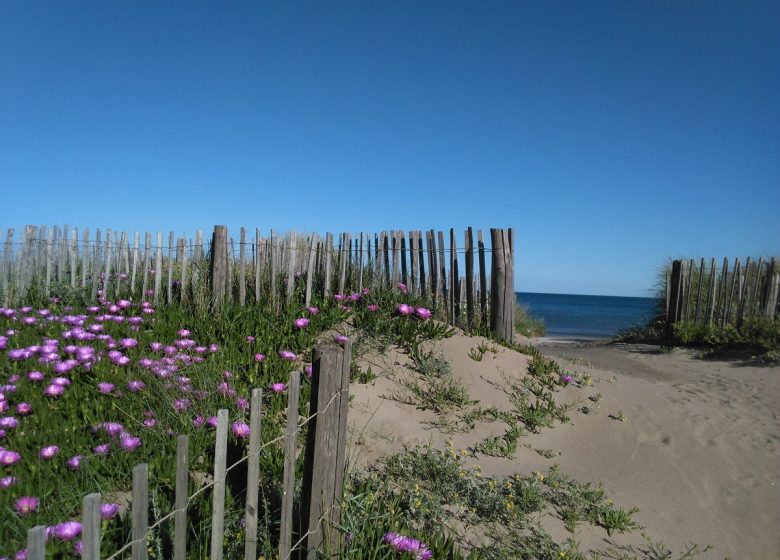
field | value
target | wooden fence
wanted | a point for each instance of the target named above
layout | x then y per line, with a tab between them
267	270
321	491
707	295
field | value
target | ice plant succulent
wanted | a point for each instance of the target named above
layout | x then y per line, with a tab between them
26	505
402	543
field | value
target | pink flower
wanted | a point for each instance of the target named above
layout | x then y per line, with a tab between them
9	458
340	297
289	356
372	307
49	452
341	339
250	338
404	289
405	309
278	387
105	387
67	531
307	370
184	333
23	408
109	510
102	449
259	357
135	385
35	376
7	481
74	463
129	443
423	313
26	504
313	310
54	390
301	323
240	429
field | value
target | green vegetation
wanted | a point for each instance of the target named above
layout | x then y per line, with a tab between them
526	324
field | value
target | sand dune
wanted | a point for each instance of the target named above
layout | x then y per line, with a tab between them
698	451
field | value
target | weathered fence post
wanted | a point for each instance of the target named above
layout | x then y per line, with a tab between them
483	309
220	465
36	543
90	527
675	295
325	459
140	511
219	265
182	494
288	476
469	245
502	294
242	268
253	474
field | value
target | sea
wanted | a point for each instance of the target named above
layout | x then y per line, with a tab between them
578	317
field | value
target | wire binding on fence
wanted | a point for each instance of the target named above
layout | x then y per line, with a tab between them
209	485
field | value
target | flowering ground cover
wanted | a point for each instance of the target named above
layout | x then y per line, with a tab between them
88	391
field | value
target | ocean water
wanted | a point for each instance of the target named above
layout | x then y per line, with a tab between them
587	317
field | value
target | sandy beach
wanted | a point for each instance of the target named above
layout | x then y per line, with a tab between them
694	443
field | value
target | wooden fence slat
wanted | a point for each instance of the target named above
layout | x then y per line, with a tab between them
253	474
197	262
433	268
169	280
310	268
140	511
84	257
73	255
412	263
326	287
96	265
219	265
158	263
36	543
49	256
257	265
454	278
182	495
403	249
293	241
392	241
242	268
343	257
325	448
288	482
107	271
386	246
274	240
483	310
90	527
421	265
145	264
469	246
698	292
220	463
184	271
134	265
443	277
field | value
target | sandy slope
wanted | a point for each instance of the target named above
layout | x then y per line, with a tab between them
698	453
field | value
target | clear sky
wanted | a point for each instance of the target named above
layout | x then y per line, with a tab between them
611	135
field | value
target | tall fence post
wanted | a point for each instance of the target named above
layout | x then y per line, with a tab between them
90	522
219	265
502	295
325	459
288	480
140	511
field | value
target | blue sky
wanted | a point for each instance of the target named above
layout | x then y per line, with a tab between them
611	135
